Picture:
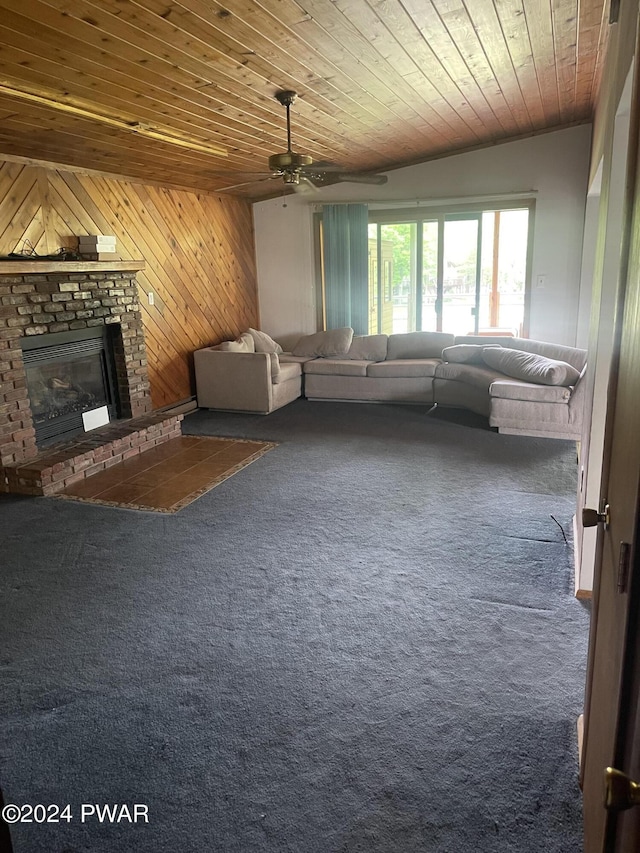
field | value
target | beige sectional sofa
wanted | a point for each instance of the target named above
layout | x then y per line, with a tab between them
524	387
515	404
402	371
233	376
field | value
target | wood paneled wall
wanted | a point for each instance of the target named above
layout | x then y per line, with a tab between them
198	249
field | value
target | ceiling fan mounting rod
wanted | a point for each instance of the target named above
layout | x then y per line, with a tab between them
286	97
288	164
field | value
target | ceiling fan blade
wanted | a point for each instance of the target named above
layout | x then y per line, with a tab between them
321	166
306	186
257	180
355	178
240	173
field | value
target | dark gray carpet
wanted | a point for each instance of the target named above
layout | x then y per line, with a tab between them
365	641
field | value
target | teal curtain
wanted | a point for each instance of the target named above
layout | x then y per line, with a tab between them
346	266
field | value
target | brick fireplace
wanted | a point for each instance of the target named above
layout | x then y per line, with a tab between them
48	298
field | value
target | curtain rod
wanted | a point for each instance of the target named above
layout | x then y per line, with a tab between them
377	204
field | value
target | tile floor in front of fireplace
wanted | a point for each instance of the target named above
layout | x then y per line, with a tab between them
170	476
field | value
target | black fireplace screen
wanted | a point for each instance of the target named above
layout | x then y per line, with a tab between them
64	381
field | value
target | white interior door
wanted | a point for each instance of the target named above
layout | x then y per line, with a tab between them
605	295
614	659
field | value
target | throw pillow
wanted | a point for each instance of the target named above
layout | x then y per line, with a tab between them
466	353
530	367
242	344
334	343
264	343
368	348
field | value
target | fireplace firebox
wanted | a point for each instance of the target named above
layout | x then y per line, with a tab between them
69	374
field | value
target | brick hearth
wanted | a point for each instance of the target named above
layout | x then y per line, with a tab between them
64	464
37	298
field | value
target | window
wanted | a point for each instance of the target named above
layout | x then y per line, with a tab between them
462	270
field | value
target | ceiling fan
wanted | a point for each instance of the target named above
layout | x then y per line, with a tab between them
299	171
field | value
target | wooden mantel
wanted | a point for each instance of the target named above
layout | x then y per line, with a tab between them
27	267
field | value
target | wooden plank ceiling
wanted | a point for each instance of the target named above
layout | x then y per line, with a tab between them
381	83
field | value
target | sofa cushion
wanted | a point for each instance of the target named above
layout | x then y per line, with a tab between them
477	375
407	368
368	348
514	389
333	343
337	367
275	366
242	344
465	353
418	345
487	340
289	358
572	355
530	367
264	343
285	371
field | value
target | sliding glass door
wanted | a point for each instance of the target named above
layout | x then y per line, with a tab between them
462	271
393	261
458	305
504	269
430	276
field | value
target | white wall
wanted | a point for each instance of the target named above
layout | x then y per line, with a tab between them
554	165
591	217
285	266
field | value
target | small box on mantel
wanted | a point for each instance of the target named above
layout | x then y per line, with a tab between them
97	244
96	239
100	256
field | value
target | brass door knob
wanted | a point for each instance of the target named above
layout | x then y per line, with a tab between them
591	517
620	792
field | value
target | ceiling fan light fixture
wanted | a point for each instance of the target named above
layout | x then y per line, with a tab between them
291	177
